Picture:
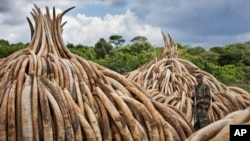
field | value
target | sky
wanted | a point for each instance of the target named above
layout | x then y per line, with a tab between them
205	23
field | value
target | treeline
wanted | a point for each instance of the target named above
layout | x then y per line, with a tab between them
229	63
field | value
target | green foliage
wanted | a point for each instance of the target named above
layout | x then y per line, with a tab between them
138	38
195	50
4	43
103	48
233	54
246	56
117	40
218	50
130	57
230	64
83	51
120	62
210	57
246	74
227	64
6	49
229	73
140	46
123	61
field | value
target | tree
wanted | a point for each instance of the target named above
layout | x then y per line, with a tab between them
103	48
246	59
139	46
138	38
195	50
6	49
117	40
246	73
210	57
232	54
70	45
230	73
217	49
4	43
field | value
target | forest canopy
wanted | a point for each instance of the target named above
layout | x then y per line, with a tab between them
230	63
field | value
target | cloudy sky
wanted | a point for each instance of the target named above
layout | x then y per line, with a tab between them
205	23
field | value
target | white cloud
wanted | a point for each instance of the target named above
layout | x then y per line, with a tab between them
193	22
88	30
80	28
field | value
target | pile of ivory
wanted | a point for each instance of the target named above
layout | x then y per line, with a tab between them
220	130
48	93
170	80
